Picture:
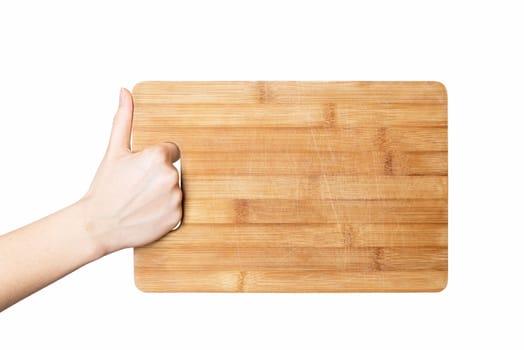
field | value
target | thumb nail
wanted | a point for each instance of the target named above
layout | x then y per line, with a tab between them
121	98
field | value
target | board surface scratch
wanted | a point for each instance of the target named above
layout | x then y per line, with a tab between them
300	186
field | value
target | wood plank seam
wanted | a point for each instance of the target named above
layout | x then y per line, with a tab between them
300	186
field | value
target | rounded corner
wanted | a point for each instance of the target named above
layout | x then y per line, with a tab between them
442	87
138	285
444	286
137	86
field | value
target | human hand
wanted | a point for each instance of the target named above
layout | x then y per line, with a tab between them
135	198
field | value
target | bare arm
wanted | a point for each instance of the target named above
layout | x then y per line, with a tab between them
134	199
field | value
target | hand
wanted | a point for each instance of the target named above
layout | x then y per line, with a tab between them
135	197
133	200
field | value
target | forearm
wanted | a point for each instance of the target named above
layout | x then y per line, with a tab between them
40	253
133	200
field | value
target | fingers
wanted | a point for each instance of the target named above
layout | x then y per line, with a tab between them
173	151
121	132
164	152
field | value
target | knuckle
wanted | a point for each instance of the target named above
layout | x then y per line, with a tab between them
177	196
168	176
174	217
177	215
158	153
175	202
172	175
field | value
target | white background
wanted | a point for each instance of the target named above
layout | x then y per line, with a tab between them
62	64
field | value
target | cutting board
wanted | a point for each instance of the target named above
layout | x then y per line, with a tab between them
300	186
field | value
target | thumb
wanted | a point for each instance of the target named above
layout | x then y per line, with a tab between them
121	132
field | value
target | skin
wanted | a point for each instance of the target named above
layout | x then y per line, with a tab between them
133	200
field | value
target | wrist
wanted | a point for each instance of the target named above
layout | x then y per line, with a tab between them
92	232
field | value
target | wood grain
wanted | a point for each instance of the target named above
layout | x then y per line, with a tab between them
269	211
300	186
308	235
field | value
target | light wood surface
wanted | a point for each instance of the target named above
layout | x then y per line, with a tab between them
300	186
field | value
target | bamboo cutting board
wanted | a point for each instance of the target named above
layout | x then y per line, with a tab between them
300	186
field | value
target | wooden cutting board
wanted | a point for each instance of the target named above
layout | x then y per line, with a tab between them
300	186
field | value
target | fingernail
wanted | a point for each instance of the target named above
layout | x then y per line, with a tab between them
121	98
